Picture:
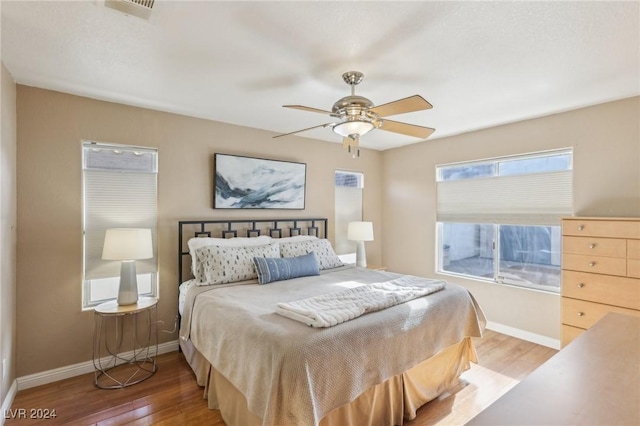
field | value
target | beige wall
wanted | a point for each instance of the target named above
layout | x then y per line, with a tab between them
52	329
7	232
606	143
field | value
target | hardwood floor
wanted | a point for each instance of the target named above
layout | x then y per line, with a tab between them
503	362
172	396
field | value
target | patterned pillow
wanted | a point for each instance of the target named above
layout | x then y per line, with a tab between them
296	239
321	247
198	242
277	268
222	265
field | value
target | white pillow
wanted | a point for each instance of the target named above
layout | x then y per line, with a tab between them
295	239
222	265
196	243
327	258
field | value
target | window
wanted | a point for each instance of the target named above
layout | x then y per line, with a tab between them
499	220
349	179
348	208
119	190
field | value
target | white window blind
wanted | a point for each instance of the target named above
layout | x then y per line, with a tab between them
538	198
348	208
120	191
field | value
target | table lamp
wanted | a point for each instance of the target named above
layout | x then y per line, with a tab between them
127	245
360	232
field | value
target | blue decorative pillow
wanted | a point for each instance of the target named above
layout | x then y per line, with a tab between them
278	268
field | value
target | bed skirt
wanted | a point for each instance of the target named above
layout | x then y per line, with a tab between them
388	403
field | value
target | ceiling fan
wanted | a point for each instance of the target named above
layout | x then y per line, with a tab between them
357	116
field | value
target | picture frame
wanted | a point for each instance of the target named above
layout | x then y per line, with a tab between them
257	183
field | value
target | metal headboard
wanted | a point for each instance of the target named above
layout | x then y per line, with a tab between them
275	228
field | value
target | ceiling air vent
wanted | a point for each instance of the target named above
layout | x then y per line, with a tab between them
139	8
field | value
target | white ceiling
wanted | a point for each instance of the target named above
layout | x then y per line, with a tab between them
480	64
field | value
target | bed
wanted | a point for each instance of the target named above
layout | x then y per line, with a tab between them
261	368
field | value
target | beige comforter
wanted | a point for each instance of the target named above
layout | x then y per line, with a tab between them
292	374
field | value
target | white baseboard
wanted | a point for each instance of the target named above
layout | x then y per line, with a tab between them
524	335
8	400
62	373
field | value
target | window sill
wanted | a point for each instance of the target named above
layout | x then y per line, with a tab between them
503	283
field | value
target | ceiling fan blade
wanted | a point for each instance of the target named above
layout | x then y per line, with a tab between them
406	129
305	108
303	130
402	106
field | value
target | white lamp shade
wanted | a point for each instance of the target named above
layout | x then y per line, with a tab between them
355	127
360	231
127	244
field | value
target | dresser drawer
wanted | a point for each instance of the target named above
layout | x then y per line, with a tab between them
601	228
633	249
583	314
617	291
609	247
595	264
633	268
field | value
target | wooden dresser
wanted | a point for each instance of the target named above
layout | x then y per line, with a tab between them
600	271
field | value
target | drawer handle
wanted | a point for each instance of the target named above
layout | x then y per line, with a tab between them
592	263
580	285
580	227
592	246
580	314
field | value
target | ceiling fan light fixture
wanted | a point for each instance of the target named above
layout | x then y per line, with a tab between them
353	127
